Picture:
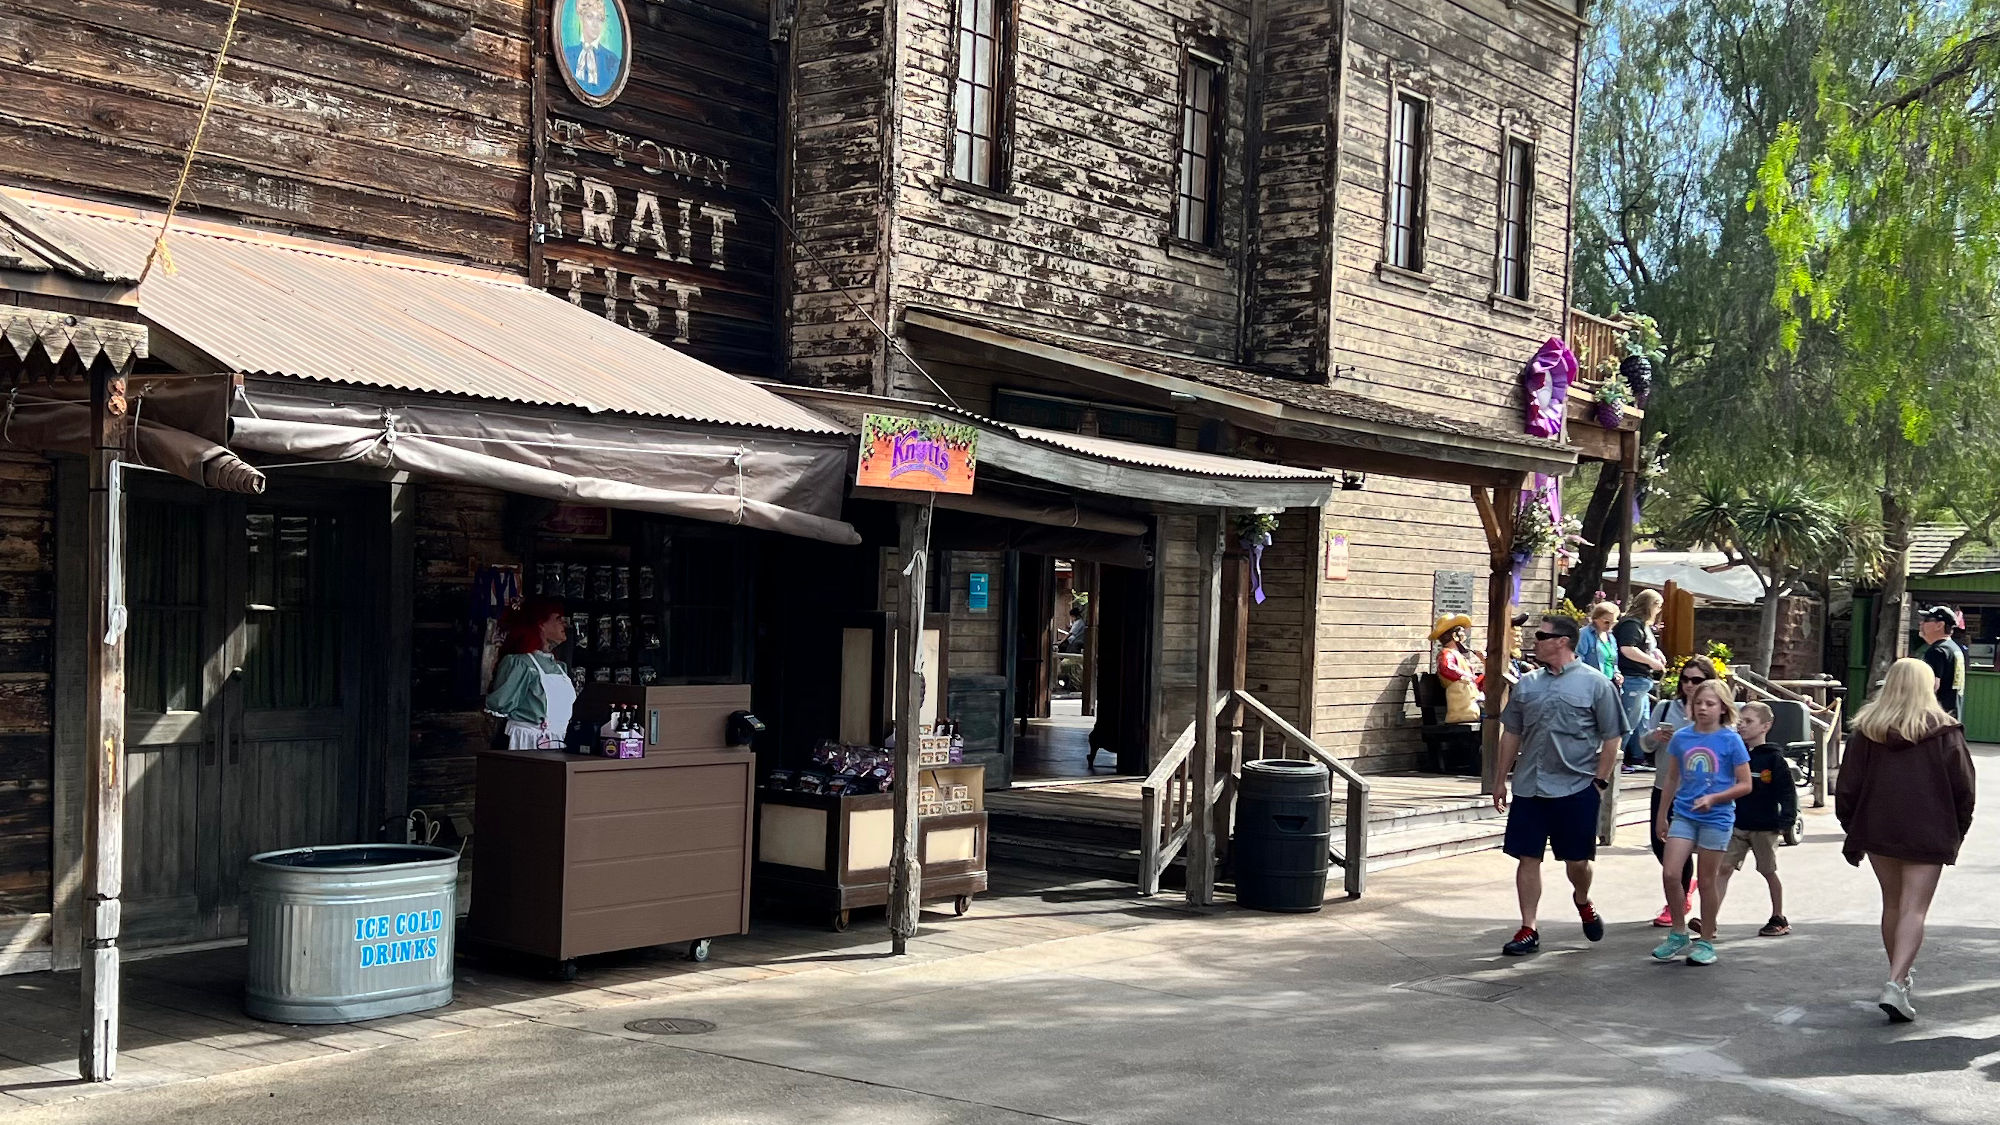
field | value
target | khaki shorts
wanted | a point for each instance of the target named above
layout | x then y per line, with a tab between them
1742	843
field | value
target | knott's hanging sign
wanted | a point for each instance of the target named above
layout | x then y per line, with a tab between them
650	195
917	456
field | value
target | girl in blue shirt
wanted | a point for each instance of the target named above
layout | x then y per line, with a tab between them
1707	767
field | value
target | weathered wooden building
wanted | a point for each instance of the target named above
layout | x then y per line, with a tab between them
1322	235
1328	233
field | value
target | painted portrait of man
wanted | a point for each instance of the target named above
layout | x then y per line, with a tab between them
593	43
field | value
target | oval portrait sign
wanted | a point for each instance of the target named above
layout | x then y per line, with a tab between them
593	45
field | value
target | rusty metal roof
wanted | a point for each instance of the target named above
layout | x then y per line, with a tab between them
259	302
1186	461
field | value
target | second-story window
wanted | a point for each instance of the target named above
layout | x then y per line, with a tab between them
1407	140
978	140
1194	198
1517	194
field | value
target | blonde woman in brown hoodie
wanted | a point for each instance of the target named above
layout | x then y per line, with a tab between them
1904	797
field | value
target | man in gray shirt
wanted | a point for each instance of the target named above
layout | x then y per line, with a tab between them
1559	741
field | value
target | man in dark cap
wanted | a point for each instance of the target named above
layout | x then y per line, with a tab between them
1560	734
1946	659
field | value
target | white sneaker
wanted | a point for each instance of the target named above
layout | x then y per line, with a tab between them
1895	1002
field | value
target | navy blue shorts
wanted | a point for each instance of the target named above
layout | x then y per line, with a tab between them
1566	826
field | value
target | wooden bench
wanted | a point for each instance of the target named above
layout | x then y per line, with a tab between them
1453	747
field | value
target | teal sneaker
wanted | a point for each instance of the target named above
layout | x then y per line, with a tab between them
1702	952
1670	948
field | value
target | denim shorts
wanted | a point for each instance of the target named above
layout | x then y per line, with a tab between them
1707	837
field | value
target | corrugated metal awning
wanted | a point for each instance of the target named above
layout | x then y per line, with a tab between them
258	302
1160	457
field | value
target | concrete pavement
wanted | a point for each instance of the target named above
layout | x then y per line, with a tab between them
1397	1008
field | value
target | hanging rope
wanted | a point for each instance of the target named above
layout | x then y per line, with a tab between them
159	250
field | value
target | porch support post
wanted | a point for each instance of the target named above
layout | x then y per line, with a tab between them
1497	511
104	730
1201	841
905	859
1628	498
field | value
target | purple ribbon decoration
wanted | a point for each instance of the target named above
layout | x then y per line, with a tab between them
1255	544
1514	576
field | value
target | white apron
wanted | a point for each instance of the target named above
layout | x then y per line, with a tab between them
559	698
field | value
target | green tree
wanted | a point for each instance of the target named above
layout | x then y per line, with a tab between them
1883	211
1779	529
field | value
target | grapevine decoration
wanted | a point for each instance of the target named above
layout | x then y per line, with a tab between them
1254	530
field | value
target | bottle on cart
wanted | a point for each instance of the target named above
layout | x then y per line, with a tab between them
607	735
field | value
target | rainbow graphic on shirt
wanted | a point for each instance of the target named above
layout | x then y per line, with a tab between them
1701	759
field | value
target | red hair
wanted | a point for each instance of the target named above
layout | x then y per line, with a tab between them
524	625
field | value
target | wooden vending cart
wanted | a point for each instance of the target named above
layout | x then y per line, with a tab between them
831	853
576	855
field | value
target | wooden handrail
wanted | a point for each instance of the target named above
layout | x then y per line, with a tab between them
1165	802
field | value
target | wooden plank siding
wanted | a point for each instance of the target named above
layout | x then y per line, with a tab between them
1486	66
1290	307
371	120
1374	625
1080	241
838	84
27	663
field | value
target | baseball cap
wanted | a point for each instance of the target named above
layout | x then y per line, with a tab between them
1940	613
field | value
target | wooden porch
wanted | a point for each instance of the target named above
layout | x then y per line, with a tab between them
1093	823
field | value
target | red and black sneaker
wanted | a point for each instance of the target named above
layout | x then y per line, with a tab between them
1593	926
1526	941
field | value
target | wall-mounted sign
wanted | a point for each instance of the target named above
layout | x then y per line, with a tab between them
1336	555
579	521
593	45
917	455
654	212
1451	592
976	593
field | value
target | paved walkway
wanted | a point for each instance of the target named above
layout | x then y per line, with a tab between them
1394	1009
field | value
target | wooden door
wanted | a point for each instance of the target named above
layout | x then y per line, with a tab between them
243	700
1034	594
291	773
175	645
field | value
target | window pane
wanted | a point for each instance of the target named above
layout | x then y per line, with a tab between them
163	594
292	620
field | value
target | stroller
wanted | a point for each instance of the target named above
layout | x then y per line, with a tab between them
1791	732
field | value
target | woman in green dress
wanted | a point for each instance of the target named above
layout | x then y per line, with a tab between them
532	690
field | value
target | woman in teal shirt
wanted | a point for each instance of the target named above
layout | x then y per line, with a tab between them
532	690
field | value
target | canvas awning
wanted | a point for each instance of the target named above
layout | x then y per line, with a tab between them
398	362
1090	466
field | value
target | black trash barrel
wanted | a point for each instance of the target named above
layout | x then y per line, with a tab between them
1284	816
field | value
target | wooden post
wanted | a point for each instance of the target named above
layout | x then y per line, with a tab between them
104	728
1628	496
1201	841
1497	511
1091	575
905	858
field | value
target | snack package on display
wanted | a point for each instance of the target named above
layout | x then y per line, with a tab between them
576	582
601	675
604	631
621	631
622	675
649	633
648	674
621	584
778	780
645	583
579	630
578	675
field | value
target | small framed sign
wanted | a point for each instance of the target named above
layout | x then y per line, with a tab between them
579	521
976	592
1335	553
1451	592
593	47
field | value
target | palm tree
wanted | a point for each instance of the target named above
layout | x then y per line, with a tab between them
1778	528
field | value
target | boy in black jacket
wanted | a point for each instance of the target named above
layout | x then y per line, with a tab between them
1763	816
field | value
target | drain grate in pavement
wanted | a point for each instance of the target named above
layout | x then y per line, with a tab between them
1462	988
671	1025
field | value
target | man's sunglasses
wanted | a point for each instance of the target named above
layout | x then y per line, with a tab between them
1541	636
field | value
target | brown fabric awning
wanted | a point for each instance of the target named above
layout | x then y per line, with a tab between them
770	482
49	423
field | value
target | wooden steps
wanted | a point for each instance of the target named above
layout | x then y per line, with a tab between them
1093	826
